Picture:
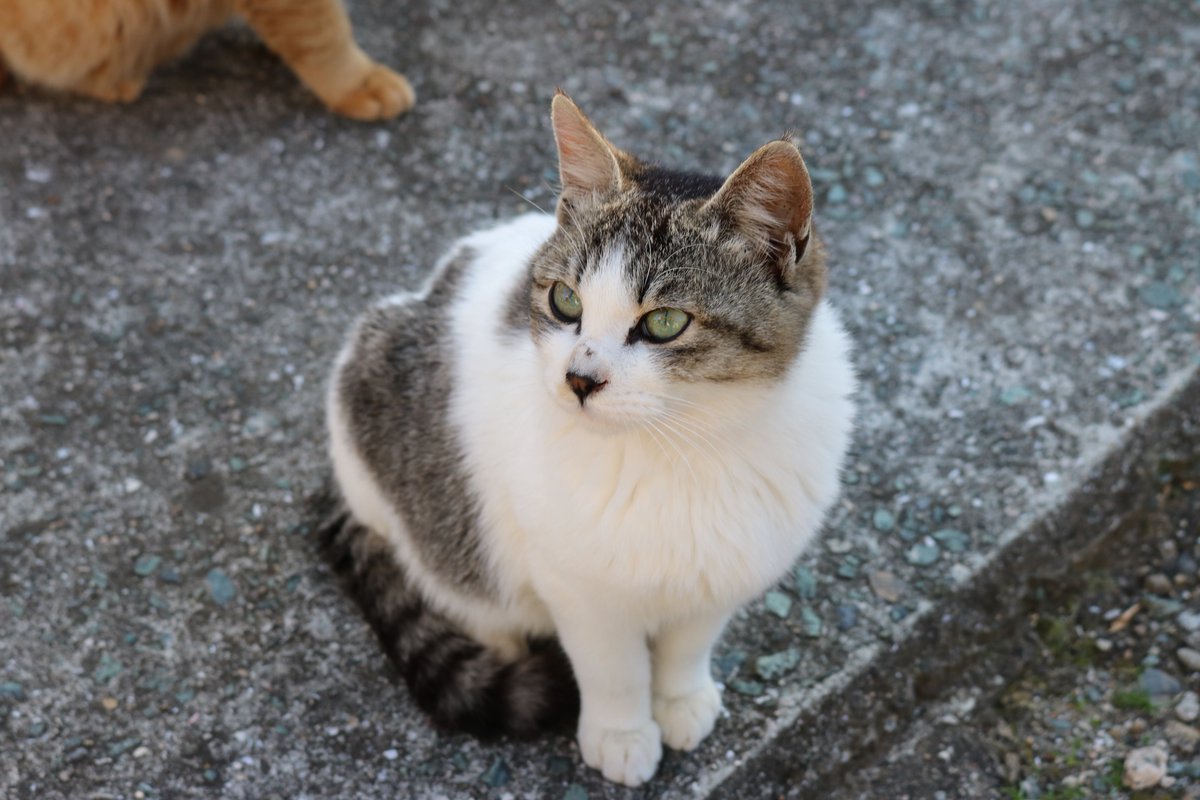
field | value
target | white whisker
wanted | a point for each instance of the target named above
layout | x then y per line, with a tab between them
526	199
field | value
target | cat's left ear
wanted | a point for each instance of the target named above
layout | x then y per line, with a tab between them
587	164
769	200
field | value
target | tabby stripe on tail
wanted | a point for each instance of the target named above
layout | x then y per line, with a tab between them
457	681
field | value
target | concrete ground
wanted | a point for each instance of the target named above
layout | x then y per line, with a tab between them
1011	195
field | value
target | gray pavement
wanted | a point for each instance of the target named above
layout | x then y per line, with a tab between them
1011	195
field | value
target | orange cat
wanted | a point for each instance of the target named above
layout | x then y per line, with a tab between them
108	48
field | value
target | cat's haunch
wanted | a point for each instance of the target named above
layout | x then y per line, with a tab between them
612	427
107	49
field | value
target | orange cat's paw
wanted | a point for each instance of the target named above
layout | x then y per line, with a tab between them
382	94
113	91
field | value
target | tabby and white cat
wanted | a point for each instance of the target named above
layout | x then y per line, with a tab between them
613	426
107	48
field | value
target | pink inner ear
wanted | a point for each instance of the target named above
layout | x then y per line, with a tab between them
586	162
770	195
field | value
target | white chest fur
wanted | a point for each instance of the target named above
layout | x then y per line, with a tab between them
671	521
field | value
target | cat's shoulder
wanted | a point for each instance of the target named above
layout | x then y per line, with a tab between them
509	243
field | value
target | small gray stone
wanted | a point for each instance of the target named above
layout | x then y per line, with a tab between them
1160	295
220	587
575	792
886	586
778	664
747	687
1189	658
1158	584
13	690
1188	707
1159	684
923	554
1015	394
497	774
107	669
146	564
1189	621
1181	737
953	540
812	622
806	583
847	616
883	520
778	604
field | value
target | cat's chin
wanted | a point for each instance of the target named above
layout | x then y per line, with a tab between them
599	418
604	421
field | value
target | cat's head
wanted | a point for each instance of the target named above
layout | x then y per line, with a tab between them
660	287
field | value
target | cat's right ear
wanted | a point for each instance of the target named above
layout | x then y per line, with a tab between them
769	200
587	164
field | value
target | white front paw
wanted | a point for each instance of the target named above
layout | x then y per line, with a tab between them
688	718
624	756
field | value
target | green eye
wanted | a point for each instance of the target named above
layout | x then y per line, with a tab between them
565	303
664	324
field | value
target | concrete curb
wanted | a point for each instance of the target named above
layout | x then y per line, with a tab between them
963	640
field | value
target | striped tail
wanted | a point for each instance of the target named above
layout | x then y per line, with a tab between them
457	681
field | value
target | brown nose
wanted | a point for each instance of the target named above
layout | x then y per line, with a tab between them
583	385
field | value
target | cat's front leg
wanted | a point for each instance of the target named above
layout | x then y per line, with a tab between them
611	660
686	699
314	37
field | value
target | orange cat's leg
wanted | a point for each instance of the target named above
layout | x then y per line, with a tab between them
314	38
111	89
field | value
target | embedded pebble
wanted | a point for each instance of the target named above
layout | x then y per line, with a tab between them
1182	737
886	586
1188	707
778	604
1158	584
575	792
847	616
922	554
13	690
1189	621
953	540
1159	684
806	583
1145	767
778	664
145	565
1189	658
1015	394
497	774
812	622
219	586
747	687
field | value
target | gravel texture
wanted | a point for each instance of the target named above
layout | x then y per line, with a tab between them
1104	703
1010	194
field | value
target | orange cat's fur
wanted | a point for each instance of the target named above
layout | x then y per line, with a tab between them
108	48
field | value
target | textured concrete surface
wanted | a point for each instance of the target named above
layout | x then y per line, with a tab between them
1010	193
